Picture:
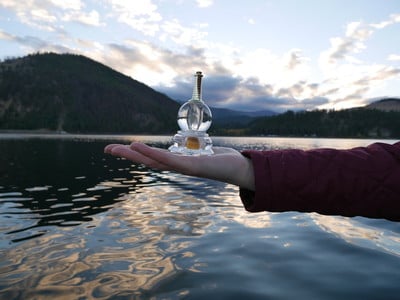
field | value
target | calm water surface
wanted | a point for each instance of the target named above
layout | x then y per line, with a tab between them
78	224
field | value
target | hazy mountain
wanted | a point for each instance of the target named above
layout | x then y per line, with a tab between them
387	104
223	116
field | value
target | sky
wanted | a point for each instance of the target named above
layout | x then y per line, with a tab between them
255	55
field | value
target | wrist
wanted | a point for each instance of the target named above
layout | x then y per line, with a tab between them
245	177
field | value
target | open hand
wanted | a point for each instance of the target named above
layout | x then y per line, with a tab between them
226	164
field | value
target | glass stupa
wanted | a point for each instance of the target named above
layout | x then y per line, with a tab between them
194	119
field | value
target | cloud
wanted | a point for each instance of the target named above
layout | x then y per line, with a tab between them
91	18
221	88
6	36
394	18
251	21
182	35
142	16
218	90
31	42
45	14
153	64
394	57
204	3
385	73
294	58
67	5
246	94
352	42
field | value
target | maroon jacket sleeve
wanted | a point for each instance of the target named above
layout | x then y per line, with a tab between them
363	181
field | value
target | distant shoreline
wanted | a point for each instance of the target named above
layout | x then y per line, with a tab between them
39	134
40	131
64	133
52	134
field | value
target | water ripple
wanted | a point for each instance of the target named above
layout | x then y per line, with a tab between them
94	227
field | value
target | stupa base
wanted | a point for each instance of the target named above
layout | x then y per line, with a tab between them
191	143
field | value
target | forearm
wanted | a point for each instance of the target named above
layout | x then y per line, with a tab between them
231	168
245	179
241	174
362	181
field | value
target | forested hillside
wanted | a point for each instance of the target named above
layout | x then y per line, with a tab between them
356	122
76	94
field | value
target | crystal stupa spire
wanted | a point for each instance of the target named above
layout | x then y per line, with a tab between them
197	86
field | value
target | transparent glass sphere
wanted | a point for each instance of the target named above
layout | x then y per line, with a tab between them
194	115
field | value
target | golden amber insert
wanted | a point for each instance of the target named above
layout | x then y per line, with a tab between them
193	143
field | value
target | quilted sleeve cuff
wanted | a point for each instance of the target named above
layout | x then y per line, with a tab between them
256	201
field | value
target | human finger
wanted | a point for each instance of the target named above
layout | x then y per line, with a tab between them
134	156
108	148
181	163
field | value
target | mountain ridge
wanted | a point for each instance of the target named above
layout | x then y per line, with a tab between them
385	104
76	94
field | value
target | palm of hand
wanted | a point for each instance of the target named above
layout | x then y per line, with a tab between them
227	164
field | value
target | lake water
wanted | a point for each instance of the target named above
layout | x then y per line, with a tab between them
78	224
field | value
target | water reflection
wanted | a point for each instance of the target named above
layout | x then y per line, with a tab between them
77	224
124	251
265	143
64	183
99	228
360	234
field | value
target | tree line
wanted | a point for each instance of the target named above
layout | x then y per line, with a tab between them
355	123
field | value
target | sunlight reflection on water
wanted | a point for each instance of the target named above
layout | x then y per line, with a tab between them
360	234
95	227
128	249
